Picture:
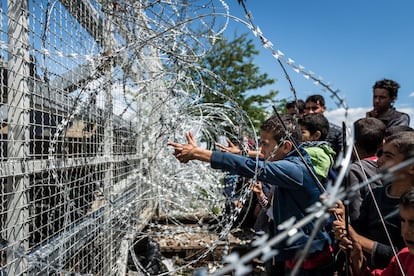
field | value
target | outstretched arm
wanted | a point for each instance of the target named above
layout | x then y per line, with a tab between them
231	147
190	151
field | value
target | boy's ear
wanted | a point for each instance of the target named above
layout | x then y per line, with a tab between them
287	147
316	136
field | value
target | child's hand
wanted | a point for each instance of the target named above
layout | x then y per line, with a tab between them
338	210
232	148
257	187
184	152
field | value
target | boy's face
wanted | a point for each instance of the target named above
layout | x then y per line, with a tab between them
269	146
291	110
381	100
307	136
390	156
407	227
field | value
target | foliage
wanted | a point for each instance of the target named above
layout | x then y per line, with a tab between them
232	72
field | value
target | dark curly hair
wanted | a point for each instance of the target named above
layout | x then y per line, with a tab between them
315	122
389	85
300	104
274	125
403	141
318	99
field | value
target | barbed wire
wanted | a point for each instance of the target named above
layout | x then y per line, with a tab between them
146	71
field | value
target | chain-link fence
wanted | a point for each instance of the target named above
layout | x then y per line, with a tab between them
73	161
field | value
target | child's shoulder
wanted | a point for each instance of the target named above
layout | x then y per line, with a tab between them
319	144
318	147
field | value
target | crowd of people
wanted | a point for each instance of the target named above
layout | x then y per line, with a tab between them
371	231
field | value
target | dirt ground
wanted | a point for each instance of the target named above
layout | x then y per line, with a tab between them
189	248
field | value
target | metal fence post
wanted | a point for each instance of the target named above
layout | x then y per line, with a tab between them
108	148
18	135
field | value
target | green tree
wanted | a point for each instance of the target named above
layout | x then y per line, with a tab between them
232	72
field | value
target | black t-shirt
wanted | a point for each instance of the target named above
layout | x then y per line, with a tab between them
369	225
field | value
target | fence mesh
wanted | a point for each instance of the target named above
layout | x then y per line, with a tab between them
71	146
91	91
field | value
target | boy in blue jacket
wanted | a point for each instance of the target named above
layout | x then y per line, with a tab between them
294	188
